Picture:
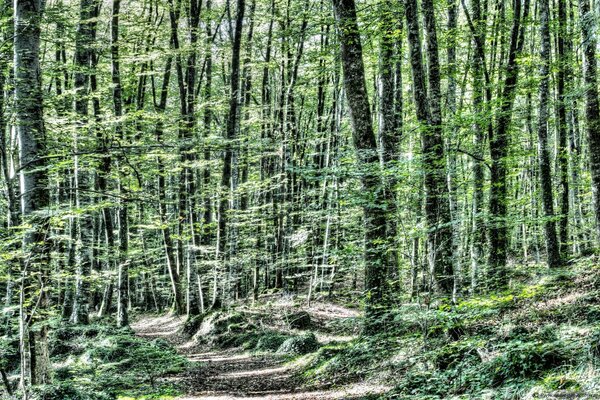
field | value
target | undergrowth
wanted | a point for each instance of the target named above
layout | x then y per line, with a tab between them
100	362
235	330
539	339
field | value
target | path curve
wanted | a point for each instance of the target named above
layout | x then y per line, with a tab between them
235	375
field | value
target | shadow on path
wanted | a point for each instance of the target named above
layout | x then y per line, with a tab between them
235	375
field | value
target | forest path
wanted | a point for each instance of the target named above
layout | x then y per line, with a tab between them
236	375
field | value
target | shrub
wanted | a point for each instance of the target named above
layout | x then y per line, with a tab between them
68	391
299	345
270	342
105	361
528	360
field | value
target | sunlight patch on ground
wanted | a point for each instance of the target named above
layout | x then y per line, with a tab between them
258	372
332	311
166	325
350	392
216	357
327	338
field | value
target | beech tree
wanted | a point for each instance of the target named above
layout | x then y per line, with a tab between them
34	193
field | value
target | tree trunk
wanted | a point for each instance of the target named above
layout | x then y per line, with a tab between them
552	244
83	60
563	40
499	146
35	362
389	133
232	128
365	145
428	108
592	109
123	266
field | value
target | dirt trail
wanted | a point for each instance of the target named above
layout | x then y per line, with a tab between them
236	375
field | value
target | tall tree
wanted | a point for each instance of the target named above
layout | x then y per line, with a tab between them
34	193
428	110
83	63
563	46
365	145
552	245
231	132
499	146
123	267
389	122
592	109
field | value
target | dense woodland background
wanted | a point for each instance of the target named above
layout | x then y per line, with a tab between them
192	155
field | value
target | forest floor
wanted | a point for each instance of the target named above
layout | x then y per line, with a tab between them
237	374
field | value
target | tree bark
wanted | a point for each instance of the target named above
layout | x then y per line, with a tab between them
592	109
389	133
83	60
231	133
123	266
428	109
35	362
552	244
365	145
499	146
563	42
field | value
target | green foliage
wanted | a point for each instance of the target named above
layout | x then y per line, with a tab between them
498	346
299	345
69	391
270	342
594	346
523	360
101	362
8	352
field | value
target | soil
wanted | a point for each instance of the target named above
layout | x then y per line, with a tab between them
236	374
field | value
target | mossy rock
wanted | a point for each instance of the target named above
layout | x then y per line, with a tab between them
192	324
299	320
299	345
225	322
218	323
270	342
235	336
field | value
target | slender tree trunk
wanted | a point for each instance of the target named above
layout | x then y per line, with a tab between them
365	145
232	129
564	72
499	146
552	244
13	215
123	267
207	215
437	211
389	134
83	61
479	125
592	109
